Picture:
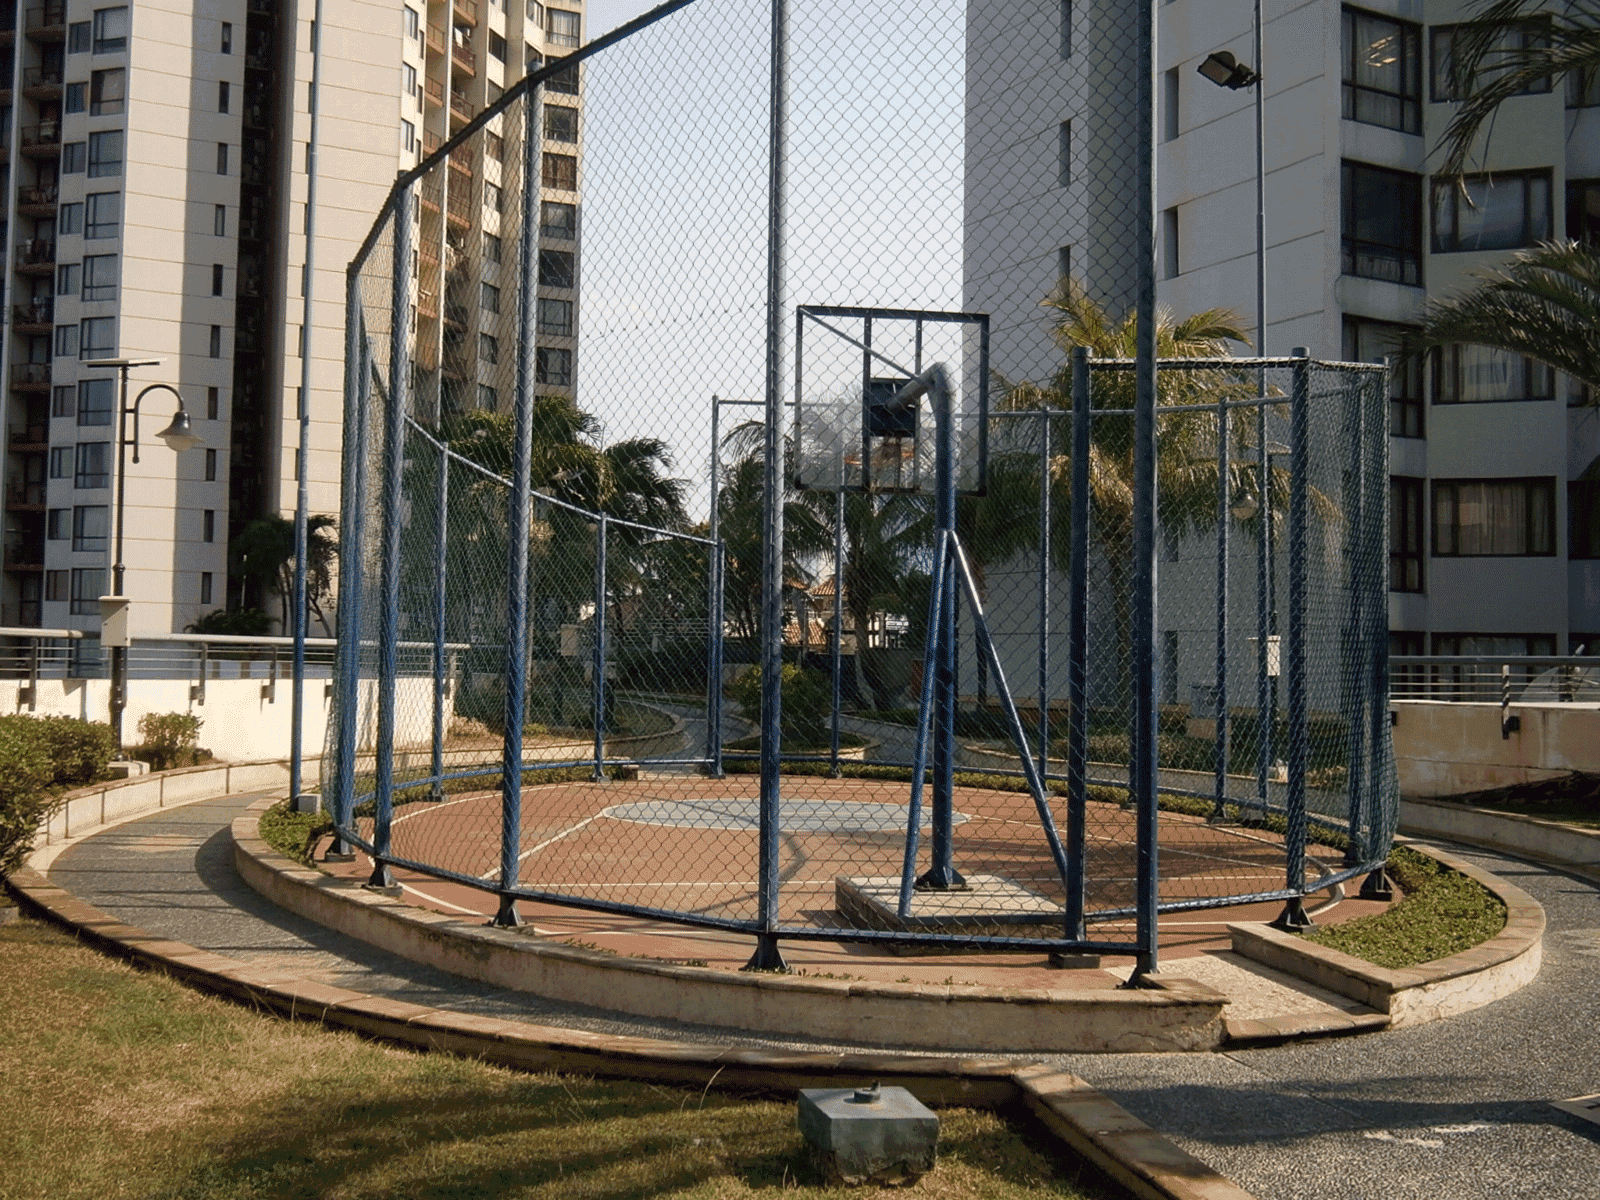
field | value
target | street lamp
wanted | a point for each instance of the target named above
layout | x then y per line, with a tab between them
180	436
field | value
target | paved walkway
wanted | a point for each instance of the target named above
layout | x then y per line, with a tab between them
1455	1109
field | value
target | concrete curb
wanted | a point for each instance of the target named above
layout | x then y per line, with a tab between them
1084	1123
1574	849
1428	991
1175	1014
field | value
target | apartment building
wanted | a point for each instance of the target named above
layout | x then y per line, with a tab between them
154	157
1494	458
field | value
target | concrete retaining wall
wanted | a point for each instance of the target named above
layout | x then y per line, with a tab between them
1447	748
1512	832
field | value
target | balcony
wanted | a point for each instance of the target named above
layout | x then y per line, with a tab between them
47	23
466	61
458	207
36	256
461	159
23	614
34	437
37	201
42	83
42	139
435	92
461	108
437	38
428	303
25	554
467	10
37	317
25	497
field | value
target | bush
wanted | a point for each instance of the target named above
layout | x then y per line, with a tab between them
25	773
78	750
804	707
169	740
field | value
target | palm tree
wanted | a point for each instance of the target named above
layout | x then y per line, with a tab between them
1545	303
1488	67
263	555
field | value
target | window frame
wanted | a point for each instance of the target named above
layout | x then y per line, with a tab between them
88	585
1447	546
84	472
1408	100
85	541
1583	520
1354	250
1408	533
1408	395
99	105
1447	197
1440	88
88	407
545	371
112	43
94	288
1446	365
101	144
97	337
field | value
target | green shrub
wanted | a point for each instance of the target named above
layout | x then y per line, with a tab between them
804	707
78	750
168	740
25	774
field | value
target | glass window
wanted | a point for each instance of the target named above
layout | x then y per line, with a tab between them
560	123
90	524
1502	212
1493	517
560	171
222	158
208	525
63	400
564	81
76	100
224	95
488	348
88	585
74	157
61	460
557	268
69	219
1583	210
105	153
97	399
1443	40
1483	375
1583	88
56	585
66	341
78	37
1583	519
536	13
493	197
92	465
1405	534
111	29
211	466
1381	223
552	366
1373	341
1382	71
214	344
225	38
497	46
100	277
58	525
558	220
490	297
564	27
67	275
99	338
108	92
492	248
555	317
102	214
1064	154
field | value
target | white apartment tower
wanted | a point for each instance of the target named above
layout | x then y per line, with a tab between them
154	158
1495	460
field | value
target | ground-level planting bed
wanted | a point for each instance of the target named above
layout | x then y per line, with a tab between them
1573	799
120	1083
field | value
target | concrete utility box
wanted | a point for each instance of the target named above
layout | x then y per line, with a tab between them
869	1135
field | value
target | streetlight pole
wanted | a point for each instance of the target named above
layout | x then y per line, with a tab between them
177	435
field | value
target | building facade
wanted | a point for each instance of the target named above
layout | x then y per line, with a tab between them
155	158
1495	536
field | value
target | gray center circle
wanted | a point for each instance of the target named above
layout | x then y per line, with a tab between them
744	813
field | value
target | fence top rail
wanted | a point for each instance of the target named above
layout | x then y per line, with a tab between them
34	633
1234	364
1495	660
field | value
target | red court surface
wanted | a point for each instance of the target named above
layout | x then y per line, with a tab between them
689	843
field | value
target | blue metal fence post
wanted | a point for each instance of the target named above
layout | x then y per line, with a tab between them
1045	538
441	537
597	652
714	586
1294	912
394	458
517	529
1375	477
836	653
1355	643
1078	653
1220	696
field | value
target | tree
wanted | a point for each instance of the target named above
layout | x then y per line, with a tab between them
1545	304
1493	58
263	554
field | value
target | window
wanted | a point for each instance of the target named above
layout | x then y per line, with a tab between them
66	341
493	90
561	123
488	348
61	460
63	400
1583	210
98	338
222	158
90	524
413	23
216	279
78	37
1583	519
111	29
564	27
558	220
74	157
493	197
225	38
552	366
1497	644
214	346
564	81
557	268
560	171
489	296
92	465
102	214
58	525
494	146
1442	41
555	317
1063	265
105	154
1169	243
208	525
76	100
536	13
1509	210
224	95
88	585
492	248
1405	534
1481	375
488	398
1066	28
100	277
69	219
97	400
1583	88
1493	517
108	92
1064	154
205	587
219	220
1381	223
1374	341
213	402
1169	105
67	276
1382	71
211	466
497	46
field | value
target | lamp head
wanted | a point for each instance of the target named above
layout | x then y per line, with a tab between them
179	435
1222	69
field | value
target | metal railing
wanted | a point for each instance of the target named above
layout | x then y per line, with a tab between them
1495	679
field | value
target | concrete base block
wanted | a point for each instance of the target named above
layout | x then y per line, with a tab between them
869	1135
126	768
988	905
307	802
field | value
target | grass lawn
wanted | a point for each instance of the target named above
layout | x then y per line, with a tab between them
120	1084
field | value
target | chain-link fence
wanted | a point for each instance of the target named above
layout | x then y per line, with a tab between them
842	255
